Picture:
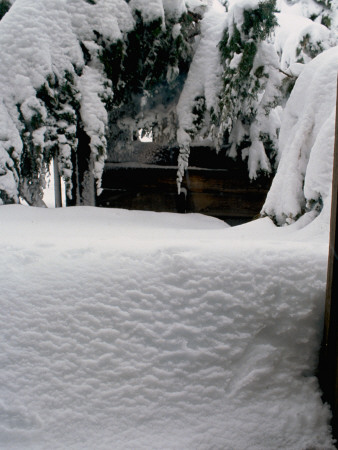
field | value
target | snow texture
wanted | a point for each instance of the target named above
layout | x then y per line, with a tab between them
306	142
150	9
139	330
175	8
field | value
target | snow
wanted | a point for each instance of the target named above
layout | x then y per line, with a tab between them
9	135
306	141
175	8
204	78
35	44
196	4
236	9
290	32
138	330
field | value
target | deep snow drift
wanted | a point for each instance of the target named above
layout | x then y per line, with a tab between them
138	330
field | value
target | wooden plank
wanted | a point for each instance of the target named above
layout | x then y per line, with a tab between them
328	370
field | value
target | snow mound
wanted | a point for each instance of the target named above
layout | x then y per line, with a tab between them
135	330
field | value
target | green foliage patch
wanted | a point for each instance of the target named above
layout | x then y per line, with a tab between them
4	7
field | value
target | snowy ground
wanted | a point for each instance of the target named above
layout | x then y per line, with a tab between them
139	330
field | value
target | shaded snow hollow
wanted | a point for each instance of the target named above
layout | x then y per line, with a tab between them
139	330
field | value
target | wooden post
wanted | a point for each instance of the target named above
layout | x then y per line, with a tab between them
329	359
57	184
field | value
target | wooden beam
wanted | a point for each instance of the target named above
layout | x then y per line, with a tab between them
329	359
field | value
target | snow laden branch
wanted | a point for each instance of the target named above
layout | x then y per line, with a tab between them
247	107
302	185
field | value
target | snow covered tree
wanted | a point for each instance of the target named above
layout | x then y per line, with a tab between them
95	73
90	59
45	93
261	54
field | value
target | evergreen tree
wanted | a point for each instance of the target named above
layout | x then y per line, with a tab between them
122	59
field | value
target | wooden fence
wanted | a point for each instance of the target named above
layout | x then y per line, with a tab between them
223	192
